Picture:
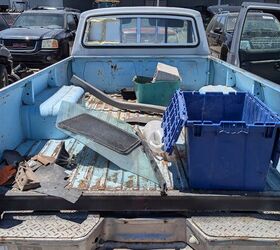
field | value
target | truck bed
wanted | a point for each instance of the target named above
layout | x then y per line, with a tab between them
107	187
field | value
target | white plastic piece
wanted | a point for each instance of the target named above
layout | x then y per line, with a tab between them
216	88
193	240
51	106
153	133
166	72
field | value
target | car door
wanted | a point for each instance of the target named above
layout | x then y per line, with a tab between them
256	40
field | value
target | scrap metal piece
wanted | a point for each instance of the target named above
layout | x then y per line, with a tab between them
57	190
61	158
101	132
12	157
25	178
53	180
141	120
6	174
34	165
148	108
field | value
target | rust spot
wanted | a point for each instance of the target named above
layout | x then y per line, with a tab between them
99	73
114	67
129	183
113	178
89	174
97	185
83	184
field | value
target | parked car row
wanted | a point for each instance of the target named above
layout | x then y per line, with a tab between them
42	36
38	38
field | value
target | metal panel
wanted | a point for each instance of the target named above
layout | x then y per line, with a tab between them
237	226
40	226
234	232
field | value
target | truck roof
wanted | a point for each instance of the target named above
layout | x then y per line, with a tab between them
142	10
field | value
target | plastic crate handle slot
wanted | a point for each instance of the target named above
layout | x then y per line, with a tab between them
276	150
233	128
197	130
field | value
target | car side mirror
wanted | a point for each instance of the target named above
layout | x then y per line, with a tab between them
71	26
218	30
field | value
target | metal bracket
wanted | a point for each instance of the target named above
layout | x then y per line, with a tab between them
28	97
258	90
230	80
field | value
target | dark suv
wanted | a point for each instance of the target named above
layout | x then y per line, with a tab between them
41	37
219	33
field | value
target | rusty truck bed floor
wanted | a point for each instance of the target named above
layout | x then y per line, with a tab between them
94	172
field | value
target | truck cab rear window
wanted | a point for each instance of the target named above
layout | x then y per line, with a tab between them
140	31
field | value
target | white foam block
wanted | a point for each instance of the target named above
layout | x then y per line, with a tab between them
166	72
51	106
216	88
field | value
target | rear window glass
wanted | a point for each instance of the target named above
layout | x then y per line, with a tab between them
261	31
137	31
231	23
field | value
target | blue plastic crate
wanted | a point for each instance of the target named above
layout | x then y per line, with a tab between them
230	138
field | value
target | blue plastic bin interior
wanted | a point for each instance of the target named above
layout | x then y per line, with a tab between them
229	138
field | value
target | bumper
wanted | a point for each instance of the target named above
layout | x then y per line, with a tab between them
82	231
37	59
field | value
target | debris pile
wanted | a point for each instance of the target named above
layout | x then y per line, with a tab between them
41	173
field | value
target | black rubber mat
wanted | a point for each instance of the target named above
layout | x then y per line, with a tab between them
101	132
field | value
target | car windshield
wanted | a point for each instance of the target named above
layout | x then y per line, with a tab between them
261	31
51	21
231	23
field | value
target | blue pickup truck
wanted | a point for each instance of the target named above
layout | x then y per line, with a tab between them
118	208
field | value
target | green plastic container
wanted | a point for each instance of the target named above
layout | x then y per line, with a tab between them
157	93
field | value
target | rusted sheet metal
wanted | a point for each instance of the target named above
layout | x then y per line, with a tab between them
92	102
95	173
114	177
98	179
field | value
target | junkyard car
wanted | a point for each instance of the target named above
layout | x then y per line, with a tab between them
250	40
6	66
41	37
119	208
10	17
